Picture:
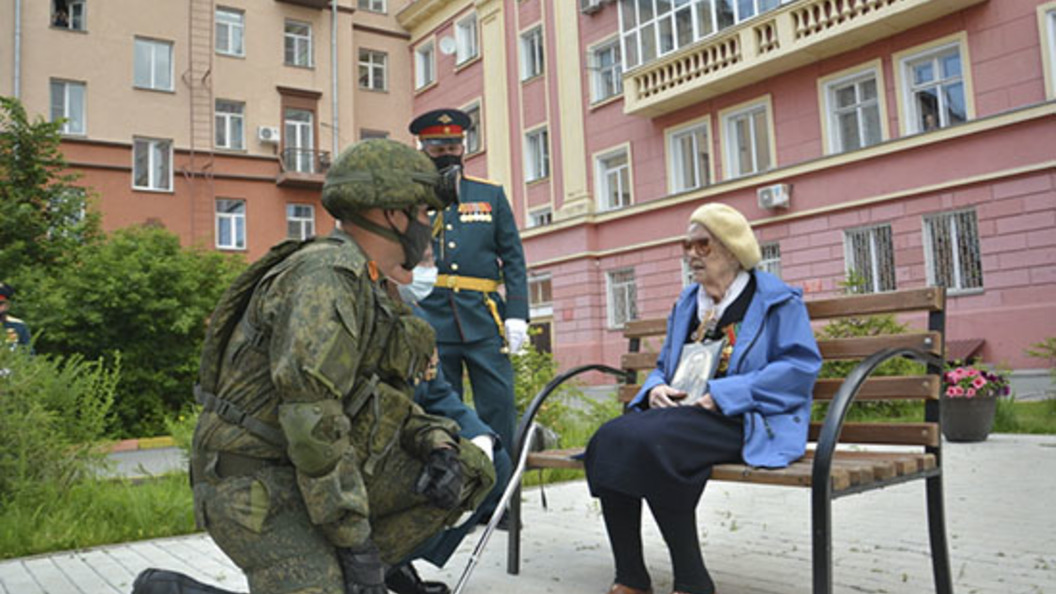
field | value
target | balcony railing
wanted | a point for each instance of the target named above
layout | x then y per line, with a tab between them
309	3
305	168
789	37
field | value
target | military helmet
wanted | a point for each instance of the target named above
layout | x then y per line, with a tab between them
379	173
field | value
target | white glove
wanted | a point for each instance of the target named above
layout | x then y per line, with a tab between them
487	444
516	333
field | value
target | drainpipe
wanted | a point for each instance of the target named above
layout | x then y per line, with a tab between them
336	125
18	49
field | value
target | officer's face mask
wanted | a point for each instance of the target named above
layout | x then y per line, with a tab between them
421	286
446	160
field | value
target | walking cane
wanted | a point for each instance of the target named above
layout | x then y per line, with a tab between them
504	501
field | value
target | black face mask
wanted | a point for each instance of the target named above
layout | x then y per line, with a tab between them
415	240
446	188
444	161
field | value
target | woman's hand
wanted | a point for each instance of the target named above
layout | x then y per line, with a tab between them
708	403
664	396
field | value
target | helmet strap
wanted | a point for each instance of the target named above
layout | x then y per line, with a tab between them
368	225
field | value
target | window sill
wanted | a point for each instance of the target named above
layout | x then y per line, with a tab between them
370	90
606	101
224	248
964	292
301	66
150	90
532	78
537	181
153	190
241	56
225	150
460	66
425	87
69	30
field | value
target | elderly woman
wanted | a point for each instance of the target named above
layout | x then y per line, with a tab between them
755	409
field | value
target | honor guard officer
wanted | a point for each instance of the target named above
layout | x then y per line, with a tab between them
16	333
477	248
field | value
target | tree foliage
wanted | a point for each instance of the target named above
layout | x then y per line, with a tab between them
42	212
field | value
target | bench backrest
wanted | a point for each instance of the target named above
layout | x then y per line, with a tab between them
926	387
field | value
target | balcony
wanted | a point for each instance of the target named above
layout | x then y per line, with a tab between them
303	168
792	36
308	3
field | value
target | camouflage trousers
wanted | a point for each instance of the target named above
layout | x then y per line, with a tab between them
260	520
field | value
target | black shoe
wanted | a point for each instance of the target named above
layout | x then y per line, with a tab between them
403	579
161	581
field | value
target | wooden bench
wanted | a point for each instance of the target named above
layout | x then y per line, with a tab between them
827	472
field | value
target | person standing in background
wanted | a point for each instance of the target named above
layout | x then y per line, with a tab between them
16	333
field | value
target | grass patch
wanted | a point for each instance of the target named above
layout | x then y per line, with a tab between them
1025	417
95	512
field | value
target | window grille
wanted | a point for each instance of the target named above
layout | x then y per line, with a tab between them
870	259
771	261
954	259
623	297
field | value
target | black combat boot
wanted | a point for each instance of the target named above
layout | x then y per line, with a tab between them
403	579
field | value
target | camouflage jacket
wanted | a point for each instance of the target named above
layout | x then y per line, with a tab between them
319	330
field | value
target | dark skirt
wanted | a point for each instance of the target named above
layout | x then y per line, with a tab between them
662	455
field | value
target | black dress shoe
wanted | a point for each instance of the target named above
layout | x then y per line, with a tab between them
403	579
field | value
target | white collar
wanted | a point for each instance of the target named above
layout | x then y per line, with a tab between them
705	304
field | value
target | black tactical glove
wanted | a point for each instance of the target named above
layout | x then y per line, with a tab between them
364	572
441	479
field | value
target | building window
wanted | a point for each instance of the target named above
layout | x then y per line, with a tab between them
67	103
473	137
606	70
1048	47
532	53
68	14
687	273
870	259
951	243
690	159
466	38
300	221
622	297
771	261
231	224
747	140
854	112
298	44
372	5
230	32
540	295
935	86
365	134
153	64
650	30
372	66
540	217
299	138
152	164
230	125
424	65
614	180
536	155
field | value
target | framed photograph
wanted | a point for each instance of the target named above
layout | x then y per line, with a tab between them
696	366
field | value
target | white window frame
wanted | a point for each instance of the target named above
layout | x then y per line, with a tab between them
877	252
373	6
159	174
74	98
613	178
475	132
230	125
761	160
629	288
540	217
233	22
297	46
152	75
298	138
703	172
956	221
834	141
424	65
904	62
466	39
771	260
76	15
540	309
532	54
1047	35
606	79
371	62
536	154
303	217
234	222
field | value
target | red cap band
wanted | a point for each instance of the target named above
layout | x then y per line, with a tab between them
448	131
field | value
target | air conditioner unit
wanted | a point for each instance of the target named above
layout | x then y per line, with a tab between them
269	134
775	196
589	6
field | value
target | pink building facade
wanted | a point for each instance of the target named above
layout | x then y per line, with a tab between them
912	144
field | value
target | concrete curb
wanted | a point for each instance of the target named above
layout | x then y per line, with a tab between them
143	443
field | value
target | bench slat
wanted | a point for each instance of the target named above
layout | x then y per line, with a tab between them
903	387
927	299
645	328
862	347
638	361
922	434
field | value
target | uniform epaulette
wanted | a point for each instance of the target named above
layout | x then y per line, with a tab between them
482	180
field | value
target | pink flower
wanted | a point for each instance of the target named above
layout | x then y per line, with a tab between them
958	391
978	382
951	391
970	393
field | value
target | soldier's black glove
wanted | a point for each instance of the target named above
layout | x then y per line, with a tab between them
363	570
441	479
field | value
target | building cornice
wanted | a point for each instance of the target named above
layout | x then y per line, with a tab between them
379	31
423	16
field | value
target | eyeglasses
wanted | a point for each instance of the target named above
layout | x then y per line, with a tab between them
700	246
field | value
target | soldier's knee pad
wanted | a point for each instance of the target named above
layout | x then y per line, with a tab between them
317	433
160	581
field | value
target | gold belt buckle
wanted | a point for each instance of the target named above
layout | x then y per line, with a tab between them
452	281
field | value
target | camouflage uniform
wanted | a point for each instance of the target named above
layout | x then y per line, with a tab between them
327	360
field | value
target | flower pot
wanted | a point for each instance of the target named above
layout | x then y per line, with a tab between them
968	419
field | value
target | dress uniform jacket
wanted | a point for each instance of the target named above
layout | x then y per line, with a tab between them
479	239
15	332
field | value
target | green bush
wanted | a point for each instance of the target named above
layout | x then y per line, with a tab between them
53	411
